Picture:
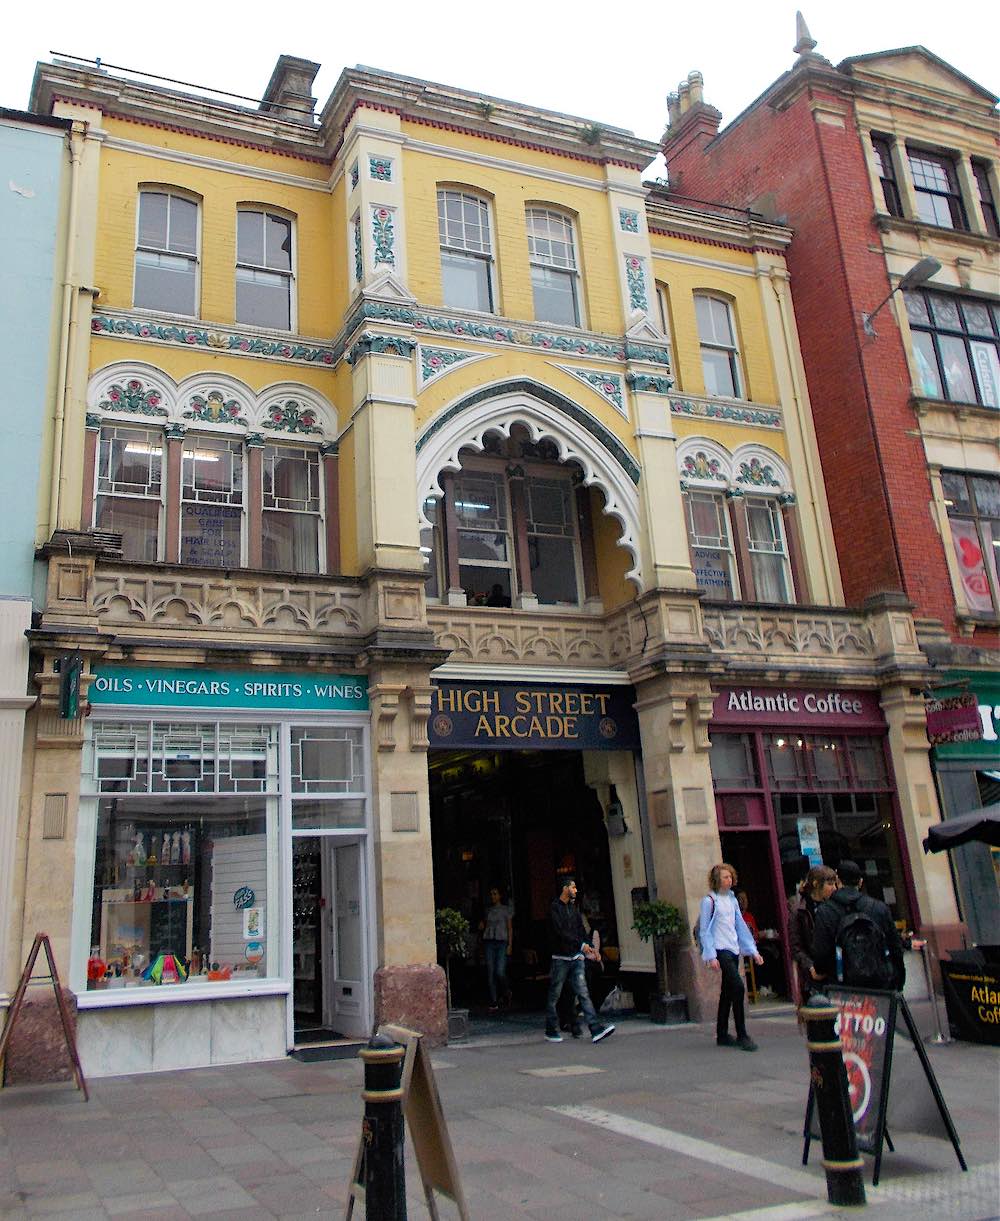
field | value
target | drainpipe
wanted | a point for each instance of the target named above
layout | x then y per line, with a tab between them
67	325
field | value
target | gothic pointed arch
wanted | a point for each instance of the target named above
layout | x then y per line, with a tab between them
578	436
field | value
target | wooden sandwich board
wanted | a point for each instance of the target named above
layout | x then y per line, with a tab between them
428	1130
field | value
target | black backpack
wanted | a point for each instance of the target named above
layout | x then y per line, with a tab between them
864	955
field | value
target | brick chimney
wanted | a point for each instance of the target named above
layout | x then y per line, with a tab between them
289	91
690	118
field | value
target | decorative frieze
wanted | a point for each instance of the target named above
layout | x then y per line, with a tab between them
485	636
628	220
701	466
238	343
635	278
434	362
607	385
380	345
359	258
731	413
758	474
291	416
383	236
788	632
380	168
355	175
213	408
649	383
134	397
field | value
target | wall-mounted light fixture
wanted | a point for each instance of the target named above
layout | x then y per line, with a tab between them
919	273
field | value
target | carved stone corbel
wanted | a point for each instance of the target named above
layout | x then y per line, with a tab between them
678	716
702	707
385	704
421	701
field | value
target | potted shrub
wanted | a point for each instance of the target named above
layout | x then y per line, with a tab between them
452	931
661	923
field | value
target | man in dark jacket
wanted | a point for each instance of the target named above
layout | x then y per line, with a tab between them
847	917
570	948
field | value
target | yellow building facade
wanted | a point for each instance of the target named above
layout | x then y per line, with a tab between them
436	509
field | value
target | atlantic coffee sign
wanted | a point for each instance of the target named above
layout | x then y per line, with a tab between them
530	716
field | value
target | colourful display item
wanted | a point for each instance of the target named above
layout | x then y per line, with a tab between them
166	969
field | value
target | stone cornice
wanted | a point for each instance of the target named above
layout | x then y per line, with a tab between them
937	233
668	219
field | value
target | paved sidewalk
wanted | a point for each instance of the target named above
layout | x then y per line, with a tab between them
652	1123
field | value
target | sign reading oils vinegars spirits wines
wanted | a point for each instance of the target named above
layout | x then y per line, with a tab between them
530	716
151	686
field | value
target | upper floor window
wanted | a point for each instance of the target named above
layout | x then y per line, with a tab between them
768	553
887	175
550	524
129	488
212	502
290	526
166	253
956	343
263	269
466	251
663	314
981	174
711	544
973	503
720	360
553	267
939	201
764	565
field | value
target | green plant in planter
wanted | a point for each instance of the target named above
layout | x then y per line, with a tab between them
452	930
658	922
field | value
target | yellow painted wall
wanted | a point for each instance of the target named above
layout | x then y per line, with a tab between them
613	562
348	506
509	192
732	436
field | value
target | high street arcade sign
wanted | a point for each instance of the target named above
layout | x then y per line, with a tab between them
533	716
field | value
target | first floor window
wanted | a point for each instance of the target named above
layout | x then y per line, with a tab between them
552	550
482	513
973	503
129	488
768	555
711	545
212	502
981	174
291	508
887	175
939	201
552	257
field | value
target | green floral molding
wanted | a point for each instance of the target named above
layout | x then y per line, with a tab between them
525	386
701	466
383	236
175	432
727	412
608	385
648	383
255	440
787	499
291	417
635	275
354	175
434	361
213	409
330	449
133	397
380	345
93	422
646	352
380	168
221	341
628	220
359	261
760	474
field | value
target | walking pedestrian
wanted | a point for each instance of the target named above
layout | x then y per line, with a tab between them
570	949
724	937
819	884
855	940
498	944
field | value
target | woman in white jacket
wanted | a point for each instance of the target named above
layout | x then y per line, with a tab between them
724	937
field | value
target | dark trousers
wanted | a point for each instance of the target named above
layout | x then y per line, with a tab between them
496	969
571	969
731	996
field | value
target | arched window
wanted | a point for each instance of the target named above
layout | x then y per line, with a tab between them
264	269
554	278
720	357
466	251
166	253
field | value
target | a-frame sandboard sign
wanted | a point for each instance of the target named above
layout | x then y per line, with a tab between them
13	1013
428	1130
914	1103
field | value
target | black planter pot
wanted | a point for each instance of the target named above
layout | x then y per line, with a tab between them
668	1010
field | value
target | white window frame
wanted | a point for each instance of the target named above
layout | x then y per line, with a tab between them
571	271
771	504
156	433
554	475
713	343
320	512
263	211
696	541
193	439
453	247
151	188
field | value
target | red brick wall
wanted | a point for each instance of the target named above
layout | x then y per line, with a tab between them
813	175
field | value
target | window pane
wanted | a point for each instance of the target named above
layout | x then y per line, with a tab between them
481	500
164	880
927	369
732	761
210	535
770	577
554	295
263	298
945	311
153	219
969	554
328	815
327	759
956	492
977	318
553	569
465	282
164	282
183	225
290	542
278	237
987	494
137	521
485	586
987	368
718	370
480	545
250	238
958	375
212	498
916	308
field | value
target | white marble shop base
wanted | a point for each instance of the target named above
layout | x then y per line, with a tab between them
150	1038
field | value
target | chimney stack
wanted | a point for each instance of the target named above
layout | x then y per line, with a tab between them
690	117
289	91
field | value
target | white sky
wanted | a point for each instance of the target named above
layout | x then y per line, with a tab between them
609	62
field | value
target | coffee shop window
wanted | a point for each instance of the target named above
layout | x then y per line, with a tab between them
185	854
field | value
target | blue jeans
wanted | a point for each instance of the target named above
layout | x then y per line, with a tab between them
496	968
573	970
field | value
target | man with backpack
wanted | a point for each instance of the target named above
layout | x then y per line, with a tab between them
855	941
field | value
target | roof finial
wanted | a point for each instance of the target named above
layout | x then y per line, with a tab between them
805	44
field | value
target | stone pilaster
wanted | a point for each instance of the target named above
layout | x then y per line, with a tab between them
15	618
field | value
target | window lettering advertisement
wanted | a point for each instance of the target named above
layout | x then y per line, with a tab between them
136	685
969	555
210	535
711	569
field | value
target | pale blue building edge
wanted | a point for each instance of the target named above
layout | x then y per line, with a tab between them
149	686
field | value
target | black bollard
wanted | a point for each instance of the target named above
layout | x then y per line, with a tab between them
384	1169
843	1166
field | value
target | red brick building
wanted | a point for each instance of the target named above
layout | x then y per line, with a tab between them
877	163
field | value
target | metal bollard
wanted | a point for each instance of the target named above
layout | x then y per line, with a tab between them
843	1166
384	1168
924	949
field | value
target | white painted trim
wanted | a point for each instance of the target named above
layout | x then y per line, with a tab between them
457	671
668	256
200	161
714	449
114	998
744	453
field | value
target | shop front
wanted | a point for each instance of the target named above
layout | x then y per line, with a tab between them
531	782
222	898
802	777
967	766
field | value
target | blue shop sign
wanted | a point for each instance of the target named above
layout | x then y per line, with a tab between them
259	689
533	716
